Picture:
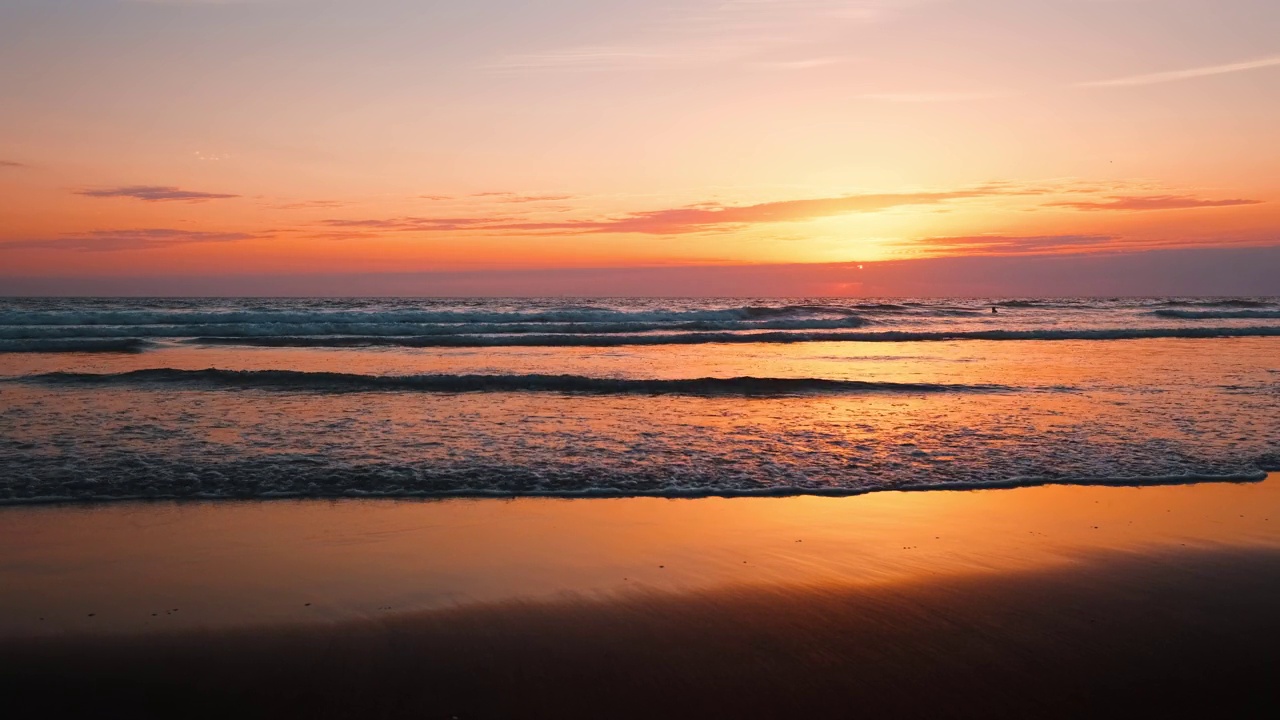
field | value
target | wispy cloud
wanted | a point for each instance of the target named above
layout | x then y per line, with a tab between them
537	198
1011	245
997	244
512	197
310	204
154	193
683	220
11	164
411	224
210	157
1151	202
718	217
117	240
701	217
1188	74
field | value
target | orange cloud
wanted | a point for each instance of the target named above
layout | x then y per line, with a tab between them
155	193
678	221
702	217
1080	243
535	198
1151	202
410	223
308	204
1006	245
116	240
510	197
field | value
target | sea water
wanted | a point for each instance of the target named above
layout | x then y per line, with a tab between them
106	399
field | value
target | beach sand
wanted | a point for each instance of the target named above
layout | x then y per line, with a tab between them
1053	601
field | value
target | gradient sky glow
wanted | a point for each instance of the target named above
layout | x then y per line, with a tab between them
504	146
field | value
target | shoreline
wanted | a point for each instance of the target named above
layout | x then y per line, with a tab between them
1255	476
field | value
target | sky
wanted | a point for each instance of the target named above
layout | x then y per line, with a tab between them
642	147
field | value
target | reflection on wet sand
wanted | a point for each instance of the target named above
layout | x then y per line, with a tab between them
164	566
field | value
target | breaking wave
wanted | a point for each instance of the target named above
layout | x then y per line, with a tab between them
567	314
286	478
727	337
295	380
1218	314
74	345
1230	303
413	329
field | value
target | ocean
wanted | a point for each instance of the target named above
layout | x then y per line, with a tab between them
113	399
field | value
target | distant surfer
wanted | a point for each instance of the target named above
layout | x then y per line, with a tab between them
993	309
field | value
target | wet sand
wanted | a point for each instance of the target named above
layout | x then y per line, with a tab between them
1037	602
1194	631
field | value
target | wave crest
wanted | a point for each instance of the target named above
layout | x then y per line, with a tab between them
1217	314
417	329
296	380
75	345
740	338
567	314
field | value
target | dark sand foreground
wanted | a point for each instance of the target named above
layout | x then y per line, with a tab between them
1043	602
1144	635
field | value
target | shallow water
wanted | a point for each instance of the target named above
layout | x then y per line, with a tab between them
401	397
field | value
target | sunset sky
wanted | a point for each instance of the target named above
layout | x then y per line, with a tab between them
640	146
